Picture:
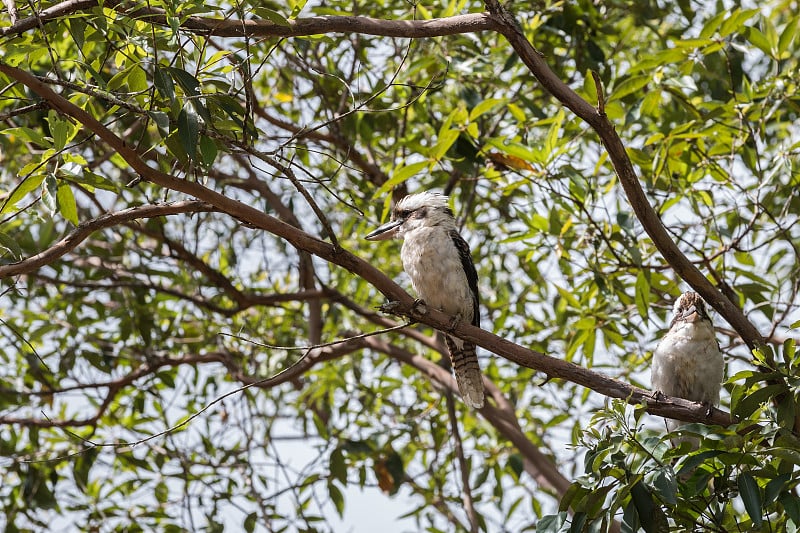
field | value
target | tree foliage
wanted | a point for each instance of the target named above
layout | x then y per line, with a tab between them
188	300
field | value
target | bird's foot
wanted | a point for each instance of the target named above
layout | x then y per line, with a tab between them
389	307
658	395
709	409
419	308
454	322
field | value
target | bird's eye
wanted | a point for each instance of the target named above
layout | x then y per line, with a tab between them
403	214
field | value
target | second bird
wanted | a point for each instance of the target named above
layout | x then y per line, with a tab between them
687	362
439	263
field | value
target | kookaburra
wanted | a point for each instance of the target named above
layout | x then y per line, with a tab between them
438	261
687	362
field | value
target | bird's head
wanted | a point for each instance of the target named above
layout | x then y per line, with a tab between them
689	307
416	211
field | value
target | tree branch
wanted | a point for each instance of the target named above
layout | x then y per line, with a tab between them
413	29
46	15
83	231
463	466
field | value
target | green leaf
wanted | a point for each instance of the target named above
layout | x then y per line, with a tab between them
650	514
551	141
11	245
28	134
66	203
712	25
628	86
757	39
188	130
400	175
27	185
118	80
443	144
735	22
791	505
651	102
578	524
271	15
208	150
336	497
250	522
187	82
589	87
551	523
666	485
161	120
92	180
749	403
642	295
77	30
515	464
164	83
485	106
161	492
751	496
59	129
137	79
789	349
787	36
515	149
337	466
775	486
83	465
49	192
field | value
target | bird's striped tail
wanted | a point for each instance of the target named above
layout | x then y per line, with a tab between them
467	370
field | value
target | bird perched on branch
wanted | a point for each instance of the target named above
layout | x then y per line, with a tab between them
438	261
687	362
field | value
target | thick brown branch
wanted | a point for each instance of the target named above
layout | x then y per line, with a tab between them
413	29
83	231
52	12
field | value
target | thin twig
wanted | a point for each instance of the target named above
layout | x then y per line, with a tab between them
466	494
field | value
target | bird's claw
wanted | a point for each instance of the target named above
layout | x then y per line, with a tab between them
454	322
389	307
658	395
419	307
709	409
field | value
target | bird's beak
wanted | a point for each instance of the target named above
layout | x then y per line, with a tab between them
387	231
688	312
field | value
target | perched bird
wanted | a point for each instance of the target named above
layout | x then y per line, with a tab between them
438	261
687	362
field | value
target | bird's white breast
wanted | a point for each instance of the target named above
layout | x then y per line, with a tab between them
687	363
432	262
